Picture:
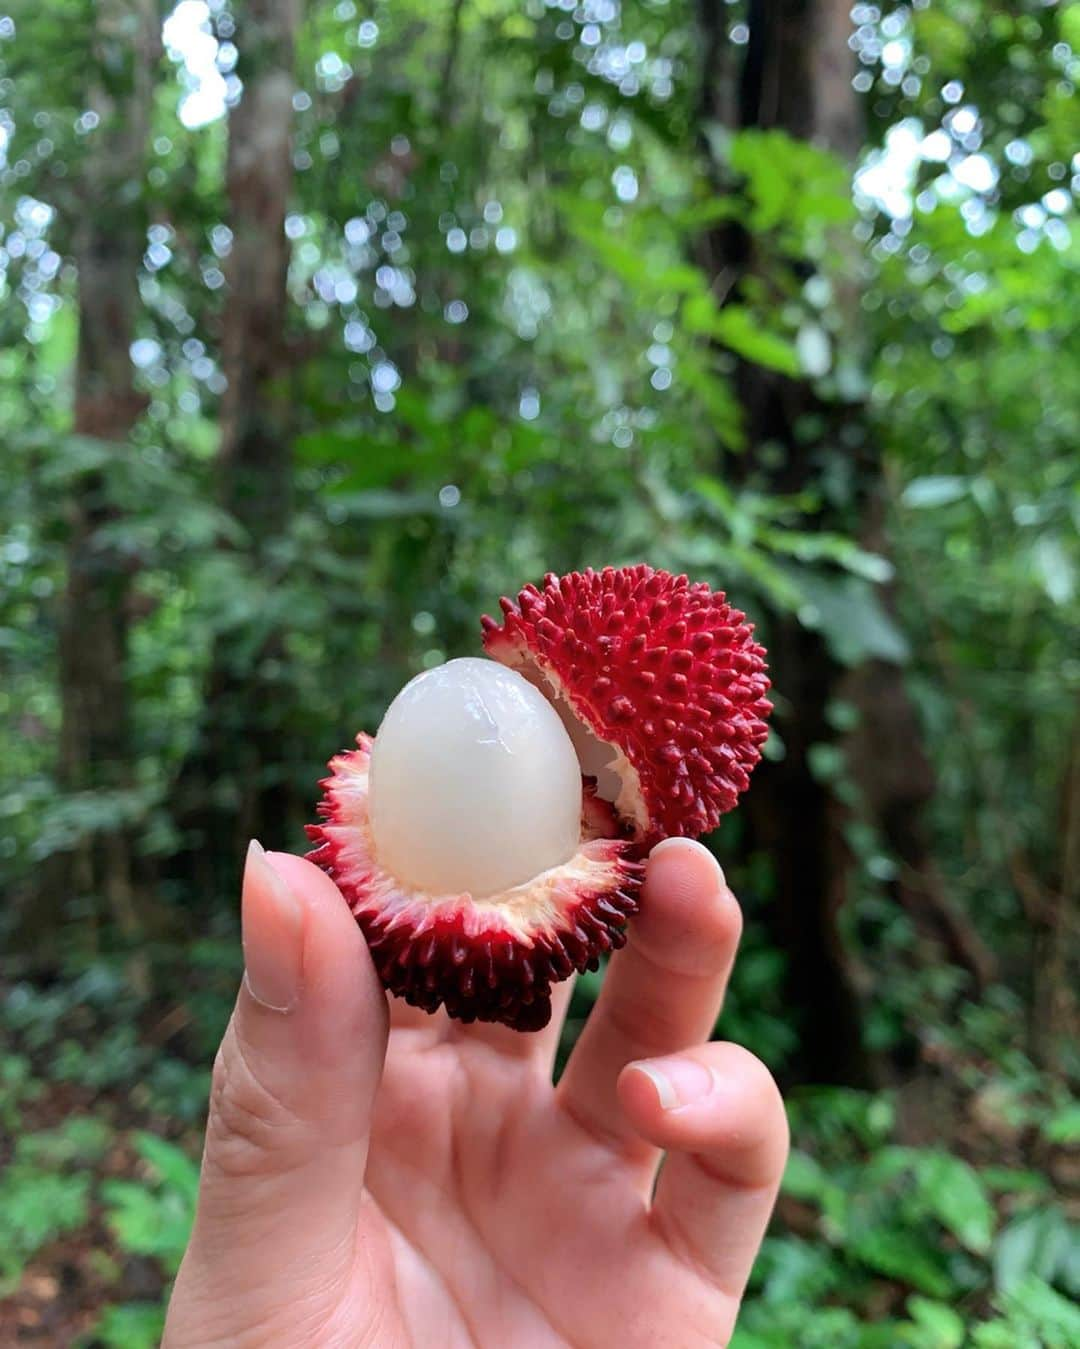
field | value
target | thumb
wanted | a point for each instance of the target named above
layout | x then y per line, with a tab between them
290	1106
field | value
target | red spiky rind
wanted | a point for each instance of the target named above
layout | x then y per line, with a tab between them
489	959
663	669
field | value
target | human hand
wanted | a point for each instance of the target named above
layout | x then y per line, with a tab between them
379	1178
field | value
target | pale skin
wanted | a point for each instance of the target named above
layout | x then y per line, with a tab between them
378	1178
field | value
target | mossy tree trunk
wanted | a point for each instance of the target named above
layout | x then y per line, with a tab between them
109	236
235	784
794	74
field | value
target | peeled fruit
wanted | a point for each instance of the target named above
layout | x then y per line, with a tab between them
474	782
489	839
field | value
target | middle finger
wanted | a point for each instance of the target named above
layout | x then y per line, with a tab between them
662	992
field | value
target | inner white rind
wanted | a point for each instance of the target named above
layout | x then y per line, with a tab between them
475	783
617	779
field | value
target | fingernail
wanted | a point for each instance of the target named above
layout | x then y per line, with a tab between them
688	847
272	924
678	1082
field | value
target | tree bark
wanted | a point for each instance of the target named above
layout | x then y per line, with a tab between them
895	779
254	456
234	785
1054	912
794	75
109	238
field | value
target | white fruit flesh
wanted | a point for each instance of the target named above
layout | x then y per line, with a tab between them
475	785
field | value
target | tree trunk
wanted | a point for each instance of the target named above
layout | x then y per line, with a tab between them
109	239
895	780
795	75
1054	912
234	784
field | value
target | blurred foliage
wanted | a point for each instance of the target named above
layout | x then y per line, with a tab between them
509	358
155	1219
925	1220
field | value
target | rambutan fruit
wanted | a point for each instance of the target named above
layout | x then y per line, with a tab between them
659	682
489	839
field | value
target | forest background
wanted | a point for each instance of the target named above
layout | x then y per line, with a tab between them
323	326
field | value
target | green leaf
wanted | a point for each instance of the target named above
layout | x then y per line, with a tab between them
901	1255
718	401
1064	1125
849	615
709	212
944	38
780	1325
172	1164
1033	1243
1009	1180
836	548
79	1139
134	1325
795	188
648	270
376	462
1069	25
939	1326
74	455
155	1219
1052	1316
37	1206
935	490
953	1192
791	1269
777	582
1003	1335
719	496
735	327
804	1177
379	504
1055	570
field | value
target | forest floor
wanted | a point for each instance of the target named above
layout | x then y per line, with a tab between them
937	1214
68	1283
102	1096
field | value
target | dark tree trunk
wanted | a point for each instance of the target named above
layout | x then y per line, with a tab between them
109	238
794	74
235	783
895	779
1053	908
